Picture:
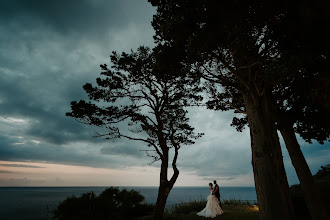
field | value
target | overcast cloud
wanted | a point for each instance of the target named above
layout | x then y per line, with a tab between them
50	49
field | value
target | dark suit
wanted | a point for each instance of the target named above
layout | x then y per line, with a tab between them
217	193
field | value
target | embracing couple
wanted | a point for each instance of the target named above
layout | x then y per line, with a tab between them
213	205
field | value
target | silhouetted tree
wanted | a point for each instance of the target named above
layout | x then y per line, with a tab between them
243	46
301	104
139	101
112	203
296	112
229	43
300	99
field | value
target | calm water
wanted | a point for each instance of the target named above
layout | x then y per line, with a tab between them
38	202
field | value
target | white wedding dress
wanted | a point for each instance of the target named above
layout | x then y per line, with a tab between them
212	208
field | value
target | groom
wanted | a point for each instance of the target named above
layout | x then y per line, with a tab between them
217	192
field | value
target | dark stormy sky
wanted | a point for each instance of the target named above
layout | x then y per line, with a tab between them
48	50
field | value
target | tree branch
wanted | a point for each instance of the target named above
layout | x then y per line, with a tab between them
237	109
249	66
144	140
175	169
218	78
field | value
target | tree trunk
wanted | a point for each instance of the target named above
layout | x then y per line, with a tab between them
163	193
311	192
269	174
165	186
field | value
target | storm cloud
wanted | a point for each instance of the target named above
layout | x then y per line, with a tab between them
50	49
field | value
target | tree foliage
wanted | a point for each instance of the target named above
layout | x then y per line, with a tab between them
281	45
136	95
139	100
233	44
112	203
255	61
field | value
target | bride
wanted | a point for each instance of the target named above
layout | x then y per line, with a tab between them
212	208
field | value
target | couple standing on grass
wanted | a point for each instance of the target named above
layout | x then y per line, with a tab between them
213	205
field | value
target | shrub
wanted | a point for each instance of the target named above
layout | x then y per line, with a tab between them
110	204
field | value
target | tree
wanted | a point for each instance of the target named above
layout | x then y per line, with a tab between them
300	98
112	203
248	43
139	101
230	44
296	112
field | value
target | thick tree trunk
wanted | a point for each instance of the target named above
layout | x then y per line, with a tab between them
163	193
163	190
165	186
311	192
269	174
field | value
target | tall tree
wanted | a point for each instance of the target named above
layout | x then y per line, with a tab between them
230	42
297	111
138	101
301	97
265	35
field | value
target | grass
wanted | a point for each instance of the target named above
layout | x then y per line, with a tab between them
237	209
233	209
239	202
185	208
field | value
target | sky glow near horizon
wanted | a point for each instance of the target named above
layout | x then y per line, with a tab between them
48	51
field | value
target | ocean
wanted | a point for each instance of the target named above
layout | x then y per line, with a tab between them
38	202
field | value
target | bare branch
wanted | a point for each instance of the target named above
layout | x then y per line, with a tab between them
217	78
154	123
144	140
249	66
237	109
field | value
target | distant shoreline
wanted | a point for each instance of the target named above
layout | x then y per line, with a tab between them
120	186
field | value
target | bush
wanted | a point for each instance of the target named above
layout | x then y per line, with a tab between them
110	204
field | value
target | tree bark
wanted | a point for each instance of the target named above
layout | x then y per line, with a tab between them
312	194
269	174
165	186
163	192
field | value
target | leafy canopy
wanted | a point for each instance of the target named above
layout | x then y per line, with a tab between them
137	95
